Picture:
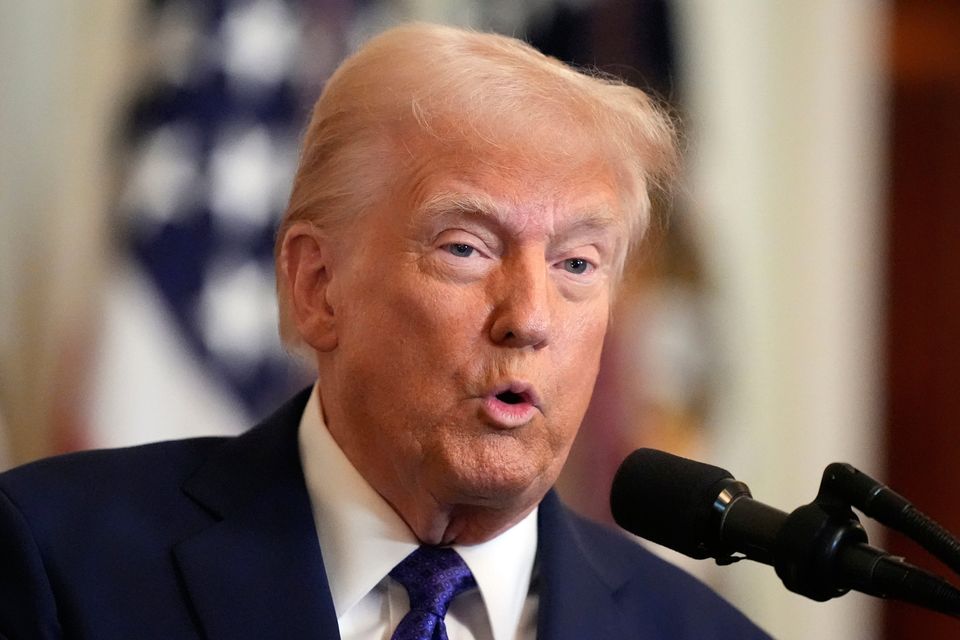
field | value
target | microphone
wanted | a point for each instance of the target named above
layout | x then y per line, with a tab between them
818	550
689	507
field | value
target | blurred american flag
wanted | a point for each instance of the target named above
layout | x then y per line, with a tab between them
190	340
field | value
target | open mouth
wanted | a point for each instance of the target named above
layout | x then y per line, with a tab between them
511	405
509	397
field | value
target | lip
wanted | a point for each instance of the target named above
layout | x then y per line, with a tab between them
506	415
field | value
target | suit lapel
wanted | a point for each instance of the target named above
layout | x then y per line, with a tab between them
257	571
578	586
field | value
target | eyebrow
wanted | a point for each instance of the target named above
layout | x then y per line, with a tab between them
450	203
484	207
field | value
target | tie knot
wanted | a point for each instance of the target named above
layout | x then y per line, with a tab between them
433	576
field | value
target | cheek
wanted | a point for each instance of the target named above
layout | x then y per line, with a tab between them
580	338
577	364
423	340
444	321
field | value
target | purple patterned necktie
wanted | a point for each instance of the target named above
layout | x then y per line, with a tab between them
433	577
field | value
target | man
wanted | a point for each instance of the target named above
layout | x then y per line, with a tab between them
461	215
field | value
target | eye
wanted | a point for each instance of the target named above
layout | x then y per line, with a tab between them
576	265
460	249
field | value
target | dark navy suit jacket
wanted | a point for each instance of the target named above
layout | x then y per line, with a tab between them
214	538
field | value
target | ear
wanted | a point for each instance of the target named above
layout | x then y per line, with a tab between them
306	259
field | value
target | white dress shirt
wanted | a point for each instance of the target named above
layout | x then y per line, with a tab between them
362	538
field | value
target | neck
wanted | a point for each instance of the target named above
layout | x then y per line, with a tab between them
461	524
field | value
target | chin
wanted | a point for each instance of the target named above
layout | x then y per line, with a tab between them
498	472
499	487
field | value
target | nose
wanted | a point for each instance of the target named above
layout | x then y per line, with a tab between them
521	315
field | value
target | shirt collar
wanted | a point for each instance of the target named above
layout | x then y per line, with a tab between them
362	538
502	568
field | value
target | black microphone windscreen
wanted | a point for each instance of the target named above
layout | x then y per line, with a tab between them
668	500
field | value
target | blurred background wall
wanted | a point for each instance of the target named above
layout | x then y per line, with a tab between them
800	308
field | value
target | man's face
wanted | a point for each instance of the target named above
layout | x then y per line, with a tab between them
470	309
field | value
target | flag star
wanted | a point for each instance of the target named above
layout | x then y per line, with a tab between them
249	178
260	40
178	41
238	314
165	181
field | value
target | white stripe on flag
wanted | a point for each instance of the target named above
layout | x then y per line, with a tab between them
147	386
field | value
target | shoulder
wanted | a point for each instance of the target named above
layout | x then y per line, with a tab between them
90	484
653	593
146	476
70	524
123	469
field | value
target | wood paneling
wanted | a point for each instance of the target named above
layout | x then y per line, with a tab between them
923	304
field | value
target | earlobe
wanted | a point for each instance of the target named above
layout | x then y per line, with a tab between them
306	259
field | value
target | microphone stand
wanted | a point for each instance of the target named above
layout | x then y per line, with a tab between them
889	508
821	552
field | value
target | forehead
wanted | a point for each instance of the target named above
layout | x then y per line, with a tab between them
512	183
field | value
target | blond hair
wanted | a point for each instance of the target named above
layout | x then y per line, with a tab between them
455	85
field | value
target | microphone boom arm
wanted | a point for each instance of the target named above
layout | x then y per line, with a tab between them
877	501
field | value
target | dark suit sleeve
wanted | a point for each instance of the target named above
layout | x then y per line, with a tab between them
27	607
